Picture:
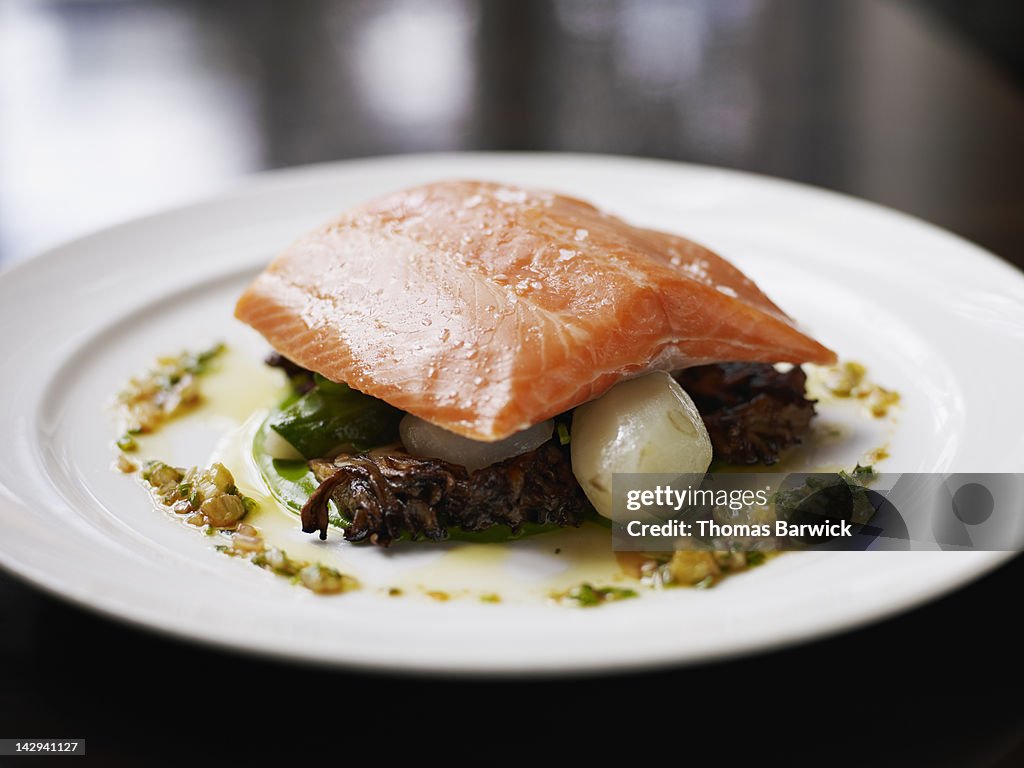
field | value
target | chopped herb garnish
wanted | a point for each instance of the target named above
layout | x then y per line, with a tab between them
863	473
124	464
170	387
563	433
850	380
490	597
199	362
127	443
277	560
325	580
211	500
755	558
586	595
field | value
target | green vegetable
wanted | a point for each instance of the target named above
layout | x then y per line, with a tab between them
291	482
333	417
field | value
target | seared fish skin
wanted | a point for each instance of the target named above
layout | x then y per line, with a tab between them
485	308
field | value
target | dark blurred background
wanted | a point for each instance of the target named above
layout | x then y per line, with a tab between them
110	109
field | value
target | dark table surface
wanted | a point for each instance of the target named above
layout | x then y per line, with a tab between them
115	109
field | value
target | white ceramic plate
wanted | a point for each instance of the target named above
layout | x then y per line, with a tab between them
934	317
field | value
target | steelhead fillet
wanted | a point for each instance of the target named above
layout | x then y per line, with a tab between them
485	308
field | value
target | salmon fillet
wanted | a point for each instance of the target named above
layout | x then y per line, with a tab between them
485	308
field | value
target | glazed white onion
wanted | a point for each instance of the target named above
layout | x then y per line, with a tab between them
642	425
421	438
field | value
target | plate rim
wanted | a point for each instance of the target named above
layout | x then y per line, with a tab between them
649	662
263	181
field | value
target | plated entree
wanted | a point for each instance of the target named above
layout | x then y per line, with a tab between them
471	360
